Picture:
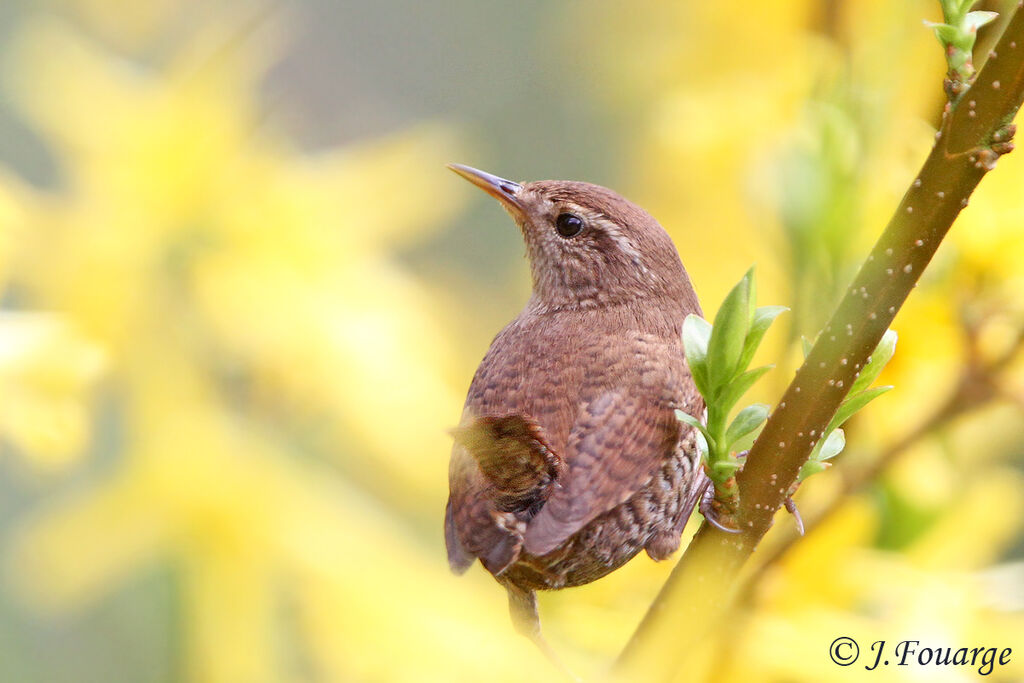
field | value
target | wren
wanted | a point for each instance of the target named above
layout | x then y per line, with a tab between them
569	459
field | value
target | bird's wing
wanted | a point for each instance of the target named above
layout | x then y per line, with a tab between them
509	458
512	453
618	442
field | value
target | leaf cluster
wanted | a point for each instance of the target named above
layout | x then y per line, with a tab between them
958	34
718	355
833	439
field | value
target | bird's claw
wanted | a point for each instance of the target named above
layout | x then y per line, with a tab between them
707	509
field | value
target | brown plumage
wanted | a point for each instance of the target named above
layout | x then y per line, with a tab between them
569	458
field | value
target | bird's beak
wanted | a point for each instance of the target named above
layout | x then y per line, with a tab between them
505	191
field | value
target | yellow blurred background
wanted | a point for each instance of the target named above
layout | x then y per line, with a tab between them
241	300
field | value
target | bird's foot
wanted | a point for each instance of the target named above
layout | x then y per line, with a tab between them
713	509
707	508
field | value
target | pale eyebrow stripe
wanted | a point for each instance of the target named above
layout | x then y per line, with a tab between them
622	242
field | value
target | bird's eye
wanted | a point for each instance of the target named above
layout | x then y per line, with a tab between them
568	224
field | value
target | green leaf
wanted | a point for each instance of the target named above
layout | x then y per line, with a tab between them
761	321
751	295
696	333
702	447
833	446
975	20
728	333
746	442
694	422
746	421
854	403
807	346
879	359
811	467
946	34
733	392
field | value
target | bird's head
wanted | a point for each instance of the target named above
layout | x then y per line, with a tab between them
587	245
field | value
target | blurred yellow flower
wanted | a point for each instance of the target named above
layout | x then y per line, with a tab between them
247	299
252	529
11	218
276	379
834	584
177	194
45	370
